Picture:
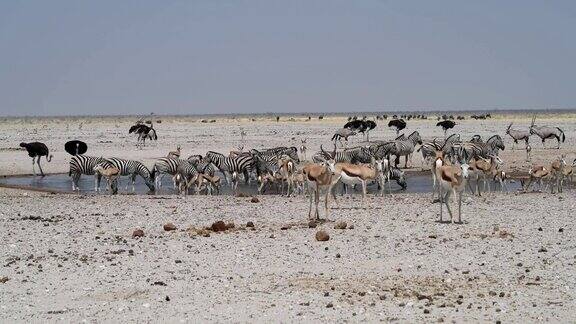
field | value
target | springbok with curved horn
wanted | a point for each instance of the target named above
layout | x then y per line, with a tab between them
546	132
353	174
318	176
518	135
453	180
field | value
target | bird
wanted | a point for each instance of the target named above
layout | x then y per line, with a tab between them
370	125
358	126
37	150
446	125
75	147
399	124
144	131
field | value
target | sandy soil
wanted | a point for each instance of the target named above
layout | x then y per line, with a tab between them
68	257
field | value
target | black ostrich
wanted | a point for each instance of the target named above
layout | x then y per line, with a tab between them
75	147
37	149
399	124
144	131
370	125
446	125
360	126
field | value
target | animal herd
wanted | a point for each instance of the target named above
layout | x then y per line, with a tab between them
455	165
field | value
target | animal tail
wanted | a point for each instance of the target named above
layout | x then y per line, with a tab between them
562	136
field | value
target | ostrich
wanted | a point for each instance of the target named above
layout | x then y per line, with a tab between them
446	125
37	149
399	124
75	147
144	132
358	126
370	125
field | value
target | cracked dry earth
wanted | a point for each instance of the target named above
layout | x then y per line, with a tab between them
72	258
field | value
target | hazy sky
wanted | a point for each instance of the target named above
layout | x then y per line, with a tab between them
123	57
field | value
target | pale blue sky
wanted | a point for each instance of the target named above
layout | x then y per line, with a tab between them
130	57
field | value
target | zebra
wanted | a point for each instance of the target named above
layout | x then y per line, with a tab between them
164	166
405	147
83	164
359	154
228	165
545	132
291	152
201	164
399	176
478	150
382	150
429	149
131	168
518	135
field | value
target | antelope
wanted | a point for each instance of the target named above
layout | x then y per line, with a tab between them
568	173
557	168
286	173
352	174
207	182
452	180
546	132
238	152
318	176
111	175
536	173
501	177
175	154
485	167
528	153
518	135
303	149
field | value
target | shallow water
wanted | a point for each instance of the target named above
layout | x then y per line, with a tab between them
417	183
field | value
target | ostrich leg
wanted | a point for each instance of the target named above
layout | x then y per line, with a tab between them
40	167
33	166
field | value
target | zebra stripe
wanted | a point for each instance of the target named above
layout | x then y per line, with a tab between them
406	147
82	164
228	165
132	168
355	155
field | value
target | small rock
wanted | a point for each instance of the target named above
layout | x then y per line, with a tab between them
337	255
351	226
542	249
540	229
433	236
218	226
177	261
167	298
426	311
312	224
329	305
285	227
340	225
230	225
169	227
561	230
250	224
4	279
159	283
138	233
322	236
254	200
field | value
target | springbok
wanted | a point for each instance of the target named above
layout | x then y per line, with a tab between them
303	149
175	154
452	181
353	174
111	175
318	176
536	173
207	182
484	168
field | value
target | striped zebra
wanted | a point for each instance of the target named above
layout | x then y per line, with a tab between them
478	150
132	168
405	147
229	165
201	165
398	175
355	155
277	152
82	164
164	166
429	149
381	150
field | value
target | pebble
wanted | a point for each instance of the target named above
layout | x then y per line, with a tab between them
169	227
249	224
218	226
322	236
138	233
254	200
340	225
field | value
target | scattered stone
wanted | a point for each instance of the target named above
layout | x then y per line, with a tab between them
285	227
322	236
351	226
540	229
167	298
561	230
433	236
169	227
340	225
138	233
312	224
159	283
250	224
337	255
230	225
178	261
254	200
4	279
329	305
426	311
218	226
542	249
